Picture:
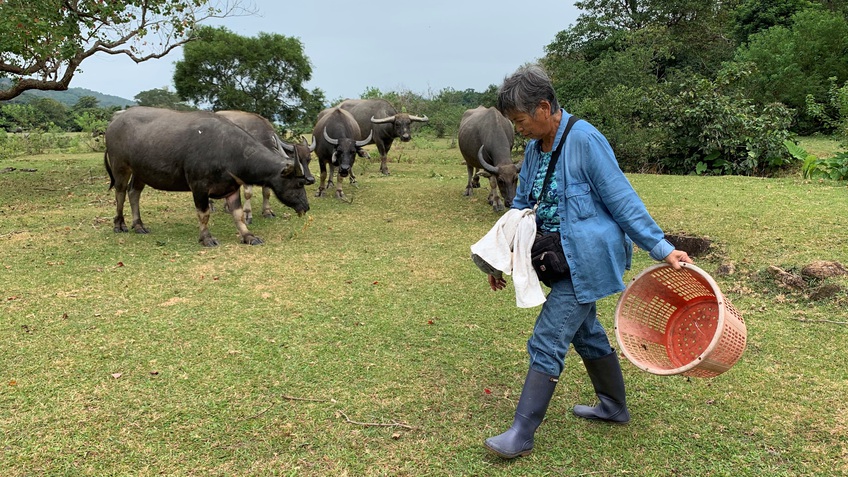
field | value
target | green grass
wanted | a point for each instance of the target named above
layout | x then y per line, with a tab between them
361	340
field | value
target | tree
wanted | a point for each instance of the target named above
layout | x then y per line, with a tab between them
42	44
161	98
793	62
264	75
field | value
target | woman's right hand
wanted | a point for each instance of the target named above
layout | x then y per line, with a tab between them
496	283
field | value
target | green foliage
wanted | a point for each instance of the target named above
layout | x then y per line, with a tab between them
833	113
162	98
754	16
713	132
264	74
43	43
834	167
629	118
796	61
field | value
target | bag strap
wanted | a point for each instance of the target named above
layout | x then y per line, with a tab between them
554	157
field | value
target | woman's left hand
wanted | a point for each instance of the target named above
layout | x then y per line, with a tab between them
677	256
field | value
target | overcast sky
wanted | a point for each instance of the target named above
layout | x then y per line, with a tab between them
419	46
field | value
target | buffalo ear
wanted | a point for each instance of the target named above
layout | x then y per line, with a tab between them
484	174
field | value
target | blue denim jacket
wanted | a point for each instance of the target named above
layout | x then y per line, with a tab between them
599	212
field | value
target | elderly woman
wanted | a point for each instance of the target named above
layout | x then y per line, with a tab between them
592	206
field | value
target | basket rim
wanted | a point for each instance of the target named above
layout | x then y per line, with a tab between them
713	343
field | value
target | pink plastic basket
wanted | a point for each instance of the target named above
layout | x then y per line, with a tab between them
671	321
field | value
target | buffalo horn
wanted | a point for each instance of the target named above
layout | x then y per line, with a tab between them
389	119
486	165
311	146
334	142
366	140
423	119
286	146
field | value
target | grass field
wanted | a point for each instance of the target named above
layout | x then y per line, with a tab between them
360	340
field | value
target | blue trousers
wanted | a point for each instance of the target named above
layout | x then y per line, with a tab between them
563	322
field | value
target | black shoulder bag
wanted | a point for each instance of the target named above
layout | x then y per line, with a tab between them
546	255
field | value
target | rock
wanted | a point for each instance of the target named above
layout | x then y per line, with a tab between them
789	279
824	269
825	291
726	268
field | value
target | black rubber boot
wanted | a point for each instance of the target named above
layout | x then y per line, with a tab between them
605	373
532	405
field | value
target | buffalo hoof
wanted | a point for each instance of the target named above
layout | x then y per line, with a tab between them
268	214
340	194
384	170
498	207
251	240
208	241
121	228
320	193
140	229
467	192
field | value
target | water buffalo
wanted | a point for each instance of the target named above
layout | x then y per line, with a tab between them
384	122
336	132
485	140
198	151
263	130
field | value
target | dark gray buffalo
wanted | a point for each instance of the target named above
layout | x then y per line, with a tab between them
201	152
384	122
263	130
336	132
485	140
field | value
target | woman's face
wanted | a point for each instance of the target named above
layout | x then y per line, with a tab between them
533	126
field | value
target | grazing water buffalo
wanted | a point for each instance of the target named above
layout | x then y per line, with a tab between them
384	122
485	140
336	132
263	130
198	151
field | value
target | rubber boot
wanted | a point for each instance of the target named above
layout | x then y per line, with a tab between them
532	405
605	373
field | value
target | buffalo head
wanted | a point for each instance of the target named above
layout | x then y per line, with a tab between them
345	151
506	176
302	153
402	122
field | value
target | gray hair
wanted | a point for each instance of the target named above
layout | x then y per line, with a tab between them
523	91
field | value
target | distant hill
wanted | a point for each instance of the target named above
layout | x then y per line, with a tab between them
69	97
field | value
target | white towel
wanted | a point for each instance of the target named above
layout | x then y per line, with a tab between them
506	247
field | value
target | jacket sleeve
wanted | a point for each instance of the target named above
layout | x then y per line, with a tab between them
620	198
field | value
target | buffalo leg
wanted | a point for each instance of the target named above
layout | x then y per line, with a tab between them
339	193
248	209
323	185
246	236
204	211
266	203
120	225
384	158
134	194
494	196
470	185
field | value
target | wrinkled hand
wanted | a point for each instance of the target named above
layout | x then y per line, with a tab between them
677	256
496	283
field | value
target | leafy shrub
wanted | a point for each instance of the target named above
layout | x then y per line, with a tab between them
814	167
625	116
715	133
